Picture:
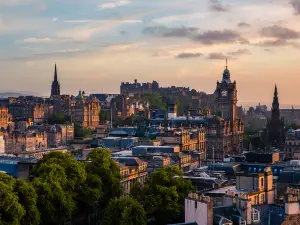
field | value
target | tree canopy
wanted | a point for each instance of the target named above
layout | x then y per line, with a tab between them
124	211
58	118
163	195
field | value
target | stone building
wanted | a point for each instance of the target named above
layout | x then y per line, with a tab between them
292	144
40	113
226	106
4	117
59	135
34	138
186	139
86	111
133	170
138	88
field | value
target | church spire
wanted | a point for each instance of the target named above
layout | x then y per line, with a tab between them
55	88
226	63
275	104
55	73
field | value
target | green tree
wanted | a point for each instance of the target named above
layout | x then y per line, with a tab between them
180	107
194	92
163	195
55	202
105	115
101	166
124	211
156	101
162	204
61	182
28	199
58	118
11	211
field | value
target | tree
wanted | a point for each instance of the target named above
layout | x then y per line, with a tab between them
155	100
105	115
58	118
11	211
194	92
102	166
74	170
163	195
162	204
124	211
179	106
28	199
60	183
55	202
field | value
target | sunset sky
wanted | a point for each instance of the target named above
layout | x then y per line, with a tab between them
97	44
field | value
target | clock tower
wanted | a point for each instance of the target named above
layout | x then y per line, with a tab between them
226	97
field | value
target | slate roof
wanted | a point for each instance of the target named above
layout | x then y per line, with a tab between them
274	212
128	161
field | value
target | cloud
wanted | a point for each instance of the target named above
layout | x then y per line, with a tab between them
170	31
279	32
123	32
37	40
296	5
217	37
103	21
185	55
54	19
66	50
14	2
110	5
217	6
240	52
243	24
217	56
267	50
273	43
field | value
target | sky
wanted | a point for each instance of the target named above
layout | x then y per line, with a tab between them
97	44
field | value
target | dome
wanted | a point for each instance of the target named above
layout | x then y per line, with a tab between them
79	96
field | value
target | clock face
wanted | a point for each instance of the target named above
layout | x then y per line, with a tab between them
224	93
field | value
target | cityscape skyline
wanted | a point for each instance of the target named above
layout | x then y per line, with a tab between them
175	44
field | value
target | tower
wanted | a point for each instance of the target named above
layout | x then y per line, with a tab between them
276	124
226	97
55	88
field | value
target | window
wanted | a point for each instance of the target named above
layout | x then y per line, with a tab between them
195	204
262	182
262	198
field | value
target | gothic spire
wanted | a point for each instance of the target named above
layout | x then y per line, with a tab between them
275	104
55	73
55	88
